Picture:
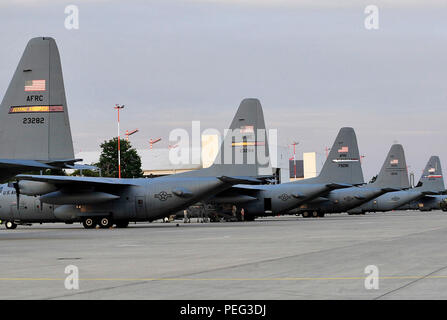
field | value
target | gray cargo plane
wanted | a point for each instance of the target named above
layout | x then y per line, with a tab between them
430	184
34	125
389	179
108	201
342	169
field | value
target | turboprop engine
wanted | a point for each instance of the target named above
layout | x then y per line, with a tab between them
35	188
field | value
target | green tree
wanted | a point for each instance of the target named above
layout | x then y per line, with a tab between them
87	172
130	160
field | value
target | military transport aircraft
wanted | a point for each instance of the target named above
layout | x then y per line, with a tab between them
342	169
34	125
342	200
108	201
430	185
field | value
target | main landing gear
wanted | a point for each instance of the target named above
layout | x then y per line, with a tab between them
103	223
313	214
89	223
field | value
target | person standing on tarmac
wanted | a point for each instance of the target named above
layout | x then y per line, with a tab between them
242	214
186	219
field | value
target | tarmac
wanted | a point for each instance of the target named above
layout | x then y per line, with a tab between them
284	257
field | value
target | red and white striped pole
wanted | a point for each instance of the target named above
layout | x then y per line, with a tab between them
294	157
118	107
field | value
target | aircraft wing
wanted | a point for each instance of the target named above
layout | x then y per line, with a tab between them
64	180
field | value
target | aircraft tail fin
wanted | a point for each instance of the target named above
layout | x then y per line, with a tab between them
343	162
394	172
432	179
244	150
34	122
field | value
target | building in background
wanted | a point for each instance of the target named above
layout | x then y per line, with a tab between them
309	167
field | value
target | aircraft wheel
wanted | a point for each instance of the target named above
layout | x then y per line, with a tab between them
89	223
105	222
305	214
10	225
314	214
122	224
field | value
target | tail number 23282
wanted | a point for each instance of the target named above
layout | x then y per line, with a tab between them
33	120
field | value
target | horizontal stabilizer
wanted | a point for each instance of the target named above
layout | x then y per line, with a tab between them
334	186
430	193
390	189
239	180
28	164
236	199
63	162
81	167
319	199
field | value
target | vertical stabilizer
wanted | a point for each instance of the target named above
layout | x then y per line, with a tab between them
432	179
34	122
343	162
394	172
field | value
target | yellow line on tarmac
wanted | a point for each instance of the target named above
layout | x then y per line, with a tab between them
227	279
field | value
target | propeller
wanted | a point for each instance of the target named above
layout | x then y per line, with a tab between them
16	187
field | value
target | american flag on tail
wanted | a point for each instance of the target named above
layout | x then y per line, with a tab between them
35	85
247	129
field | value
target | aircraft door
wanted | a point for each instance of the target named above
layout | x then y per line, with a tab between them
267	204
140	207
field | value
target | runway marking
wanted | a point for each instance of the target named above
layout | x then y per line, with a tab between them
230	279
428	276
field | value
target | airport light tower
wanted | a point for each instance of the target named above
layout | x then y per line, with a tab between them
130	133
118	107
152	141
294	157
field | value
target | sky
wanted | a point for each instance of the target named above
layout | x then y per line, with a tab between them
313	65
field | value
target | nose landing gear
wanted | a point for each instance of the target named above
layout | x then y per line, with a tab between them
10	225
